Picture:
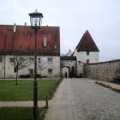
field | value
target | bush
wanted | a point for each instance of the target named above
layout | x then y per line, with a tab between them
38	75
24	76
27	76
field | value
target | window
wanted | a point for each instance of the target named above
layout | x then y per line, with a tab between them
31	60
15	70
0	59
45	41
87	53
39	60
50	71
50	60
87	61
12	59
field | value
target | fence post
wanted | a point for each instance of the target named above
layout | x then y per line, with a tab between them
47	101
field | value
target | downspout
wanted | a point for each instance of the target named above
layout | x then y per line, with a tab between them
4	66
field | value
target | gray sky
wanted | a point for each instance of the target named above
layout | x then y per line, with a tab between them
100	17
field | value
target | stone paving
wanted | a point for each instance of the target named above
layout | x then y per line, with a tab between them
82	99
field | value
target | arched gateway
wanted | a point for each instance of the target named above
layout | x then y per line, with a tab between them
68	65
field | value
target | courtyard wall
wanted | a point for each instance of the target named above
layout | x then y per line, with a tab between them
104	71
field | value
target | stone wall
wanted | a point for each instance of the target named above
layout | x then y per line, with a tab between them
104	71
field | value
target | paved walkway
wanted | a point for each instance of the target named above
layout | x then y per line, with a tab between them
82	99
21	104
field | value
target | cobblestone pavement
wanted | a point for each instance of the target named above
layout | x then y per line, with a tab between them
82	99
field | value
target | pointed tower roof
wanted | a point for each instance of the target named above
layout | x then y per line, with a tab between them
87	43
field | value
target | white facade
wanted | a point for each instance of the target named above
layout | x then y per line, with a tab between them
85	57
51	69
82	56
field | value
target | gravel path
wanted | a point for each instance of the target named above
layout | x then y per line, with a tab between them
82	99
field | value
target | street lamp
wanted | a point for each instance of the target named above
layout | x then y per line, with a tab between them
35	19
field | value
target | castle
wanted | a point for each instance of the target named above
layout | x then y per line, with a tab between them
48	50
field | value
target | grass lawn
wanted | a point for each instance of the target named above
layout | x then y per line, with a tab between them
115	82
24	90
20	113
109	87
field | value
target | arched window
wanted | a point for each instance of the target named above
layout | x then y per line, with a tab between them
45	41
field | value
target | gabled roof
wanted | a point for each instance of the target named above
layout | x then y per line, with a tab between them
67	58
69	53
87	43
23	40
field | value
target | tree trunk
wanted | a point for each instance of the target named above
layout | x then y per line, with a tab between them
40	73
16	77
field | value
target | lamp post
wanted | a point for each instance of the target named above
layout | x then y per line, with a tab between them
35	19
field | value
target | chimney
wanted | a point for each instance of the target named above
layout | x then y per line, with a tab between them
25	24
14	28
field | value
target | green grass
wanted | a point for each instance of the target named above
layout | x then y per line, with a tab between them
20	113
24	91
109	87
115	82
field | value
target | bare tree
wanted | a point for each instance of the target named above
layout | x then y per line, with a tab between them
19	62
41	66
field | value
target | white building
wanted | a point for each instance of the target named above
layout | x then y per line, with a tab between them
21	41
86	52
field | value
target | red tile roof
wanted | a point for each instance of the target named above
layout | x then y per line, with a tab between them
87	43
24	37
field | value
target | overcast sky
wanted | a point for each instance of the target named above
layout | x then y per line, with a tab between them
100	17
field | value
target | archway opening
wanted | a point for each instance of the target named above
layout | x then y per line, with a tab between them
65	69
